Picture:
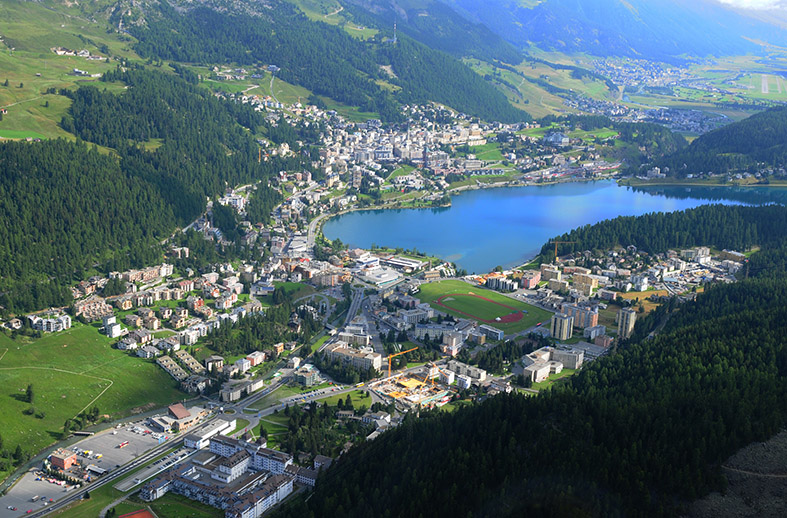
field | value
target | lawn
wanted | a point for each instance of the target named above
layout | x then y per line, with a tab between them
295	289
643	296
480	308
401	171
177	506
453	406
359	398
316	345
488	152
275	426
553	378
485	310
71	371
16	134
31	29
240	425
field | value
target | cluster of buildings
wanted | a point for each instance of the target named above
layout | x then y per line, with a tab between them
244	479
84	53
606	276
50	323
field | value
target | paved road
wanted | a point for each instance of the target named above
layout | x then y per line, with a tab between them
355	305
311	236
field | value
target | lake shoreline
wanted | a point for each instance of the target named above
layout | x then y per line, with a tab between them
506	225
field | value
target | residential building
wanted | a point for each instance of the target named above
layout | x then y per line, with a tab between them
562	326
214	363
593	332
256	358
626	318
147	351
236	483
463	382
501	284
190	362
63	459
584	316
305	376
603	341
530	279
133	320
467	370
541	363
53	324
491	332
550	272
362	359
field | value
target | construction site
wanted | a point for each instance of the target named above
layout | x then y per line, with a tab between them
427	390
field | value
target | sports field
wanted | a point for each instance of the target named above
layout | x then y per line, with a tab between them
464	300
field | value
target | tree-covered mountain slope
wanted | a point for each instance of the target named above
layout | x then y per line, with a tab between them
759	141
375	74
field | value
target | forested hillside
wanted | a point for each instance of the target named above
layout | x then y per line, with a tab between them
748	145
720	226
195	130
437	26
69	210
322	58
64	207
633	434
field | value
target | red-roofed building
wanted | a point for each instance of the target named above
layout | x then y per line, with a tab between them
178	411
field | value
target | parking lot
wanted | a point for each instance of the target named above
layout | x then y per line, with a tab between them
140	439
157	467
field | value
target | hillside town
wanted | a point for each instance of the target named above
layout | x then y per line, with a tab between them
405	326
400	329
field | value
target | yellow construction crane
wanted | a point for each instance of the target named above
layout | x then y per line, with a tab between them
561	243
395	355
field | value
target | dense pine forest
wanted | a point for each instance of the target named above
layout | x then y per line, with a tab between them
324	59
637	433
736	228
64	207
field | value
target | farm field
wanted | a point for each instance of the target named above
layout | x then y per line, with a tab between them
71	371
478	308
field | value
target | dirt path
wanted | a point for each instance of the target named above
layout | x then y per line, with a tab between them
755	474
20	102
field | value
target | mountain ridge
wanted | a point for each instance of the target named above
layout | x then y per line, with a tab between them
663	29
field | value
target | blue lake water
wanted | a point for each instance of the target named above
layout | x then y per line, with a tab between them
507	226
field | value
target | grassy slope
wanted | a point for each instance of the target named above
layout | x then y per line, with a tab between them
70	371
31	31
